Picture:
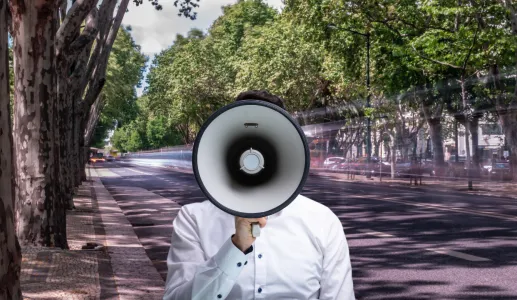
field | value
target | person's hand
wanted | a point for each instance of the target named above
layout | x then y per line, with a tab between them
242	238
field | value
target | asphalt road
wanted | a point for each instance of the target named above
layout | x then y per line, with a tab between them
405	243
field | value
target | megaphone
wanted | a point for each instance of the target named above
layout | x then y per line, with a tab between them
251	159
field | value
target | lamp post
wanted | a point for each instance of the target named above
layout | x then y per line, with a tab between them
368	120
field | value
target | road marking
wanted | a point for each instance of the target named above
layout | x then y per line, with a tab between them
136	171
376	233
105	172
457	254
439	250
458	209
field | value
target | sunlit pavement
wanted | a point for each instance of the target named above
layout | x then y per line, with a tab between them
404	243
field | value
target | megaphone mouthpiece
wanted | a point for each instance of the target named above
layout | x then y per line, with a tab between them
251	161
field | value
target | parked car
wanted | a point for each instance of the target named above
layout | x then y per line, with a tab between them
343	166
381	168
402	169
360	166
501	171
331	161
428	167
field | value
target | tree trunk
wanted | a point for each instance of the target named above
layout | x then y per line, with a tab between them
393	157
82	149
70	65
433	120
508	114
76	151
88	123
467	116
10	252
61	194
63	129
474	132
392	151
456	140
93	118
33	34
374	142
77	156
388	151
509	123
506	105
94	78
98	72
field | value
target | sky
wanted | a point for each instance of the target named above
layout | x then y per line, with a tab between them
155	30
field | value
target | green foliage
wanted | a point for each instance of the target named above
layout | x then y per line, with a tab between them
131	137
276	57
120	138
228	31
159	134
418	51
124	72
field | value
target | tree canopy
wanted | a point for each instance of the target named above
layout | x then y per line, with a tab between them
124	73
425	59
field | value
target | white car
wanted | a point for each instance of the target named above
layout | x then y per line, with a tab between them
330	161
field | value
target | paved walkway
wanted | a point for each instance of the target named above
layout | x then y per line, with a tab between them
480	187
116	267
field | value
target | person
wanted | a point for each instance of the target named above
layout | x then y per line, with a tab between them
301	253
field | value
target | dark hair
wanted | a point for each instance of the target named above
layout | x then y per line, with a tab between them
261	95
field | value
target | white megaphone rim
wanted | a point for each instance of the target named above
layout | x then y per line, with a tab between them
200	135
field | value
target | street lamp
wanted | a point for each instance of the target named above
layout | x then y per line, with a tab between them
368	121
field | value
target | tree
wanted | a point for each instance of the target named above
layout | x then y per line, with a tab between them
40	218
124	72
277	58
427	43
229	30
60	70
135	141
506	99
186	100
160	134
119	139
10	253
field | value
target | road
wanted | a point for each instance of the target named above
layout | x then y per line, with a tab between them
404	243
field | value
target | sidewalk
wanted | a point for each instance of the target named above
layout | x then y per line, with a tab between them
116	267
485	188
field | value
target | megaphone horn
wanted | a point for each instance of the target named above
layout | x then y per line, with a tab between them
251	159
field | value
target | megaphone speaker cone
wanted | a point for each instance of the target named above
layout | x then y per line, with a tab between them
251	159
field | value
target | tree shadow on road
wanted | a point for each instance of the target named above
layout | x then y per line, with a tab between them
389	242
391	247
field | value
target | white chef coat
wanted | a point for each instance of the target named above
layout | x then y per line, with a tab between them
301	253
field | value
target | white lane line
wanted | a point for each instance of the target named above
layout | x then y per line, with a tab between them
439	250
136	171
377	233
457	254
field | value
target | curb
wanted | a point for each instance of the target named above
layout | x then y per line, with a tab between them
134	274
107	284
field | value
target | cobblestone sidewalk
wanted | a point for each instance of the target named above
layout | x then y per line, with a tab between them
115	268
